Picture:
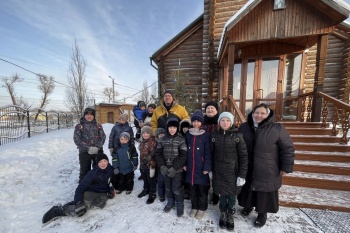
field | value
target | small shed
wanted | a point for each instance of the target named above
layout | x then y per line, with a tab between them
110	112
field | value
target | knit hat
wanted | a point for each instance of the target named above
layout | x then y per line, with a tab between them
172	122
227	115
125	134
147	129
100	156
147	124
160	131
152	106
89	111
141	104
185	124
211	103
123	117
168	92
197	115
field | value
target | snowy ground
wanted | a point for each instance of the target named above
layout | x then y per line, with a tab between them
42	171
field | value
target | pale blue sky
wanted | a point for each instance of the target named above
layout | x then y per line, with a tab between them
116	38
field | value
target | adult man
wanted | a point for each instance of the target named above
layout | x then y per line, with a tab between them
167	109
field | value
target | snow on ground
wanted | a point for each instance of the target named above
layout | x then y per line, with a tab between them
42	171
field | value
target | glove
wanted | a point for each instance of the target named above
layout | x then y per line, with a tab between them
93	150
164	170
152	171
211	175
80	209
111	150
240	181
135	167
116	171
172	172
111	193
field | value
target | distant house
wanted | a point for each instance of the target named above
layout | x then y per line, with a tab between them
262	51
109	113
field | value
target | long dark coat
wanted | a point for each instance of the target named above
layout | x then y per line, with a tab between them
270	150
230	160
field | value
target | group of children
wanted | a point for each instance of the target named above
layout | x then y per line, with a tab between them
164	157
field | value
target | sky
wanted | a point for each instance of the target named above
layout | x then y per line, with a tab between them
39	172
115	37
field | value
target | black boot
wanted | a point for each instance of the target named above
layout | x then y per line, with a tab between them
143	193
54	212
215	199
151	198
260	220
230	226
139	178
223	220
247	211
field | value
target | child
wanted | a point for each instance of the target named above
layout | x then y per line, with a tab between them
171	154
121	126
160	132
93	191
138	111
125	162
147	115
148	163
89	138
184	127
198	165
230	161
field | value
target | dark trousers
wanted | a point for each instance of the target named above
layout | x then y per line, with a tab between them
85	160
90	200
199	196
123	182
160	184
174	187
227	203
148	182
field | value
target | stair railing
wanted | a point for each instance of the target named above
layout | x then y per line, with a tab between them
228	104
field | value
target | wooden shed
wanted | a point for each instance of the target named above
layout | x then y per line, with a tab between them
109	113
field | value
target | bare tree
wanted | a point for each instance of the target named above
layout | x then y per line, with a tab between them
9	85
47	86
108	92
77	98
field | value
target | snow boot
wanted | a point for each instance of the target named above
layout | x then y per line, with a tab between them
161	199
170	205
230	226
247	211
180	208
200	214
151	198
260	220
223	220
143	193
54	212
193	213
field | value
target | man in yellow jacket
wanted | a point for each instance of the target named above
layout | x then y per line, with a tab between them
167	109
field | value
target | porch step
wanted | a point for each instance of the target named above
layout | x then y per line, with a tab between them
317	180
343	157
324	147
302	197
316	138
308	131
296	124
322	167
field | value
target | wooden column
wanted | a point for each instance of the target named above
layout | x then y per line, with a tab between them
230	66
319	77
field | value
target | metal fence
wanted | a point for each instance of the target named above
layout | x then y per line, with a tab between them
17	123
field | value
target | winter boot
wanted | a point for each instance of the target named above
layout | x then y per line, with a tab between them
54	212
200	214
260	220
215	199
151	198
127	192
230	226
193	213
143	193
247	211
180	208
223	220
139	178
170	205
161	199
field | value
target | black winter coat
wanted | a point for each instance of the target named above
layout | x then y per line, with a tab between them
230	160
270	150
114	136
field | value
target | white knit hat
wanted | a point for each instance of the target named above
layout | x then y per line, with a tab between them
227	115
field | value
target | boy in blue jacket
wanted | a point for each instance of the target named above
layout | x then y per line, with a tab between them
139	110
93	191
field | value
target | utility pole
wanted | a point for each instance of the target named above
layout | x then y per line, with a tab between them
113	88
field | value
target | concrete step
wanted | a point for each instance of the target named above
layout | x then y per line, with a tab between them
323	147
343	157
334	168
317	180
302	197
316	138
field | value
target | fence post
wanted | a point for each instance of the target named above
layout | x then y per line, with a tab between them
58	120
28	123
47	123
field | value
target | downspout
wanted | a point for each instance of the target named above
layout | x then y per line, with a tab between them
159	86
150	60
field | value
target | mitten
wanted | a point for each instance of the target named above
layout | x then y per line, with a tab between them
164	170
80	209
111	193
240	181
152	171
93	150
211	175
116	171
111	150
172	172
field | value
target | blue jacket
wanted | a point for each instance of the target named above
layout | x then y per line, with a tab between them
138	113
114	141
125	159
198	157
96	180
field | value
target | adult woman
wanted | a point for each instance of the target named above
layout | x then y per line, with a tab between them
271	155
